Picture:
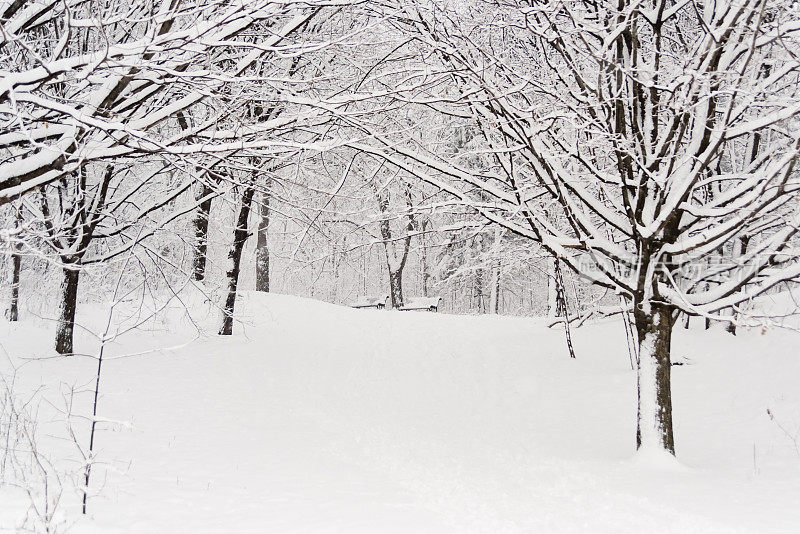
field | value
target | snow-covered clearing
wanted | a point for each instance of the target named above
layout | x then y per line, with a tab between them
319	418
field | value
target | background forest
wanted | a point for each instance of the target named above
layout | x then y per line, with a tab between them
571	160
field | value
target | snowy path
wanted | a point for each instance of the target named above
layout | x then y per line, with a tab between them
229	457
316	418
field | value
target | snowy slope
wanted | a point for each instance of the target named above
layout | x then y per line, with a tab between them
318	418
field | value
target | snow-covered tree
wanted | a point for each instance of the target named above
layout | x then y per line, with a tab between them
610	126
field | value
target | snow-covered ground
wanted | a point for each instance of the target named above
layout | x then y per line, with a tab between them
319	418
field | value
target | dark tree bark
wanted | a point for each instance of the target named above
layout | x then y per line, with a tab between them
200	221
240	236
16	267
83	214
201	234
731	326
654	322
262	246
396	287
69	303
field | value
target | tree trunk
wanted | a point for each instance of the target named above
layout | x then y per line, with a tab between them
494	295
69	303
396	288
494	301
552	288
479	290
262	246
201	234
16	267
426	276
395	262
654	323
240	236
337	257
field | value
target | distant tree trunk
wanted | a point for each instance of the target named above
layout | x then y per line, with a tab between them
201	233
494	299
364	272
69	304
337	257
494	296
424	260
740	248
740	245
240	236
200	220
262	245
396	288
479	290
561	306
395	261
552	288
654	322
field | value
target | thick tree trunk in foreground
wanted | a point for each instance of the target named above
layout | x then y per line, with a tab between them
240	235
654	421
201	234
69	303
262	247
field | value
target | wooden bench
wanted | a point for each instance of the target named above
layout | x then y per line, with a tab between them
422	304
379	303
